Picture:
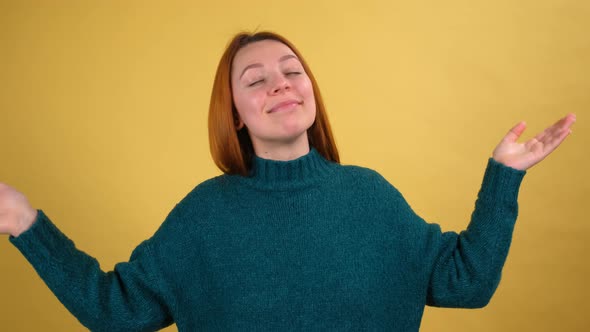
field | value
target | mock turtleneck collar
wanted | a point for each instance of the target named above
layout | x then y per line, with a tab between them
303	171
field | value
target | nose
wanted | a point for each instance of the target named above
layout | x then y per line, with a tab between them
280	85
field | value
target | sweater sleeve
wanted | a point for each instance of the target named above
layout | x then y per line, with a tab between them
129	298
466	267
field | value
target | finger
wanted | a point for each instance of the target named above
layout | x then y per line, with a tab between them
569	120
515	132
531	142
554	131
540	137
557	131
552	144
562	124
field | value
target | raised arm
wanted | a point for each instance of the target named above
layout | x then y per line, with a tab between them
130	298
468	265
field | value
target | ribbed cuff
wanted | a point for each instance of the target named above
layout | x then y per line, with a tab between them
501	182
40	240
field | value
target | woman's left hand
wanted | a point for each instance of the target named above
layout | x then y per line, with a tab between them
523	156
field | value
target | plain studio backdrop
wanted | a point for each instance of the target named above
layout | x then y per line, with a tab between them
104	107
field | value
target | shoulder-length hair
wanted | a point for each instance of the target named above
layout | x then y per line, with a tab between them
231	148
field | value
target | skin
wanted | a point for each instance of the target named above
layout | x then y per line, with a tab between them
266	74
525	155
263	77
16	214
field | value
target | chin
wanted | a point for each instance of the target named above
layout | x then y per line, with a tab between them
295	133
292	136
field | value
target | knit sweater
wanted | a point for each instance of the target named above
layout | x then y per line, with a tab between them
299	245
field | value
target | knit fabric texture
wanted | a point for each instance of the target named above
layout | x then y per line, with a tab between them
305	244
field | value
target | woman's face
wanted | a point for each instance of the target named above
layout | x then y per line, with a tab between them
272	94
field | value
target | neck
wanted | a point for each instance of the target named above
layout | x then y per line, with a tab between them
282	151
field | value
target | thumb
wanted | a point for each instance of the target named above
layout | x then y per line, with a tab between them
515	132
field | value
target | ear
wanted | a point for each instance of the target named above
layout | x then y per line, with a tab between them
238	122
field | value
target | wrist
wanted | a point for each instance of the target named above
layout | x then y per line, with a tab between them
25	222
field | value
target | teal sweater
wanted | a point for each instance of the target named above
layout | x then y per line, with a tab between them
299	245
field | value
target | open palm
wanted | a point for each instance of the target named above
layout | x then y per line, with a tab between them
524	155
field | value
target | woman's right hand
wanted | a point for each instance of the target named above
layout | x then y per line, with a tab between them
16	214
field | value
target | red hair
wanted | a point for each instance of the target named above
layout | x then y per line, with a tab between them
231	148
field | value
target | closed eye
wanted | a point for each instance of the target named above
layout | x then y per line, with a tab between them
293	73
256	82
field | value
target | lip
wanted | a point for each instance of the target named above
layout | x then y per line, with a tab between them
279	105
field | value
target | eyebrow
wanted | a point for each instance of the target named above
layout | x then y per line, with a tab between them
258	65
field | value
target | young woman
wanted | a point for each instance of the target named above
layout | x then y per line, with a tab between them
287	238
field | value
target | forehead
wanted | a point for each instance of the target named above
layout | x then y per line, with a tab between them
264	51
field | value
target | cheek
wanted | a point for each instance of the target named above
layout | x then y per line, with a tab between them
248	105
307	93
306	89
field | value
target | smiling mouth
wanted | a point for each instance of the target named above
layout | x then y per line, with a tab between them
284	106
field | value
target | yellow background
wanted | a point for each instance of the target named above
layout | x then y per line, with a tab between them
103	125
